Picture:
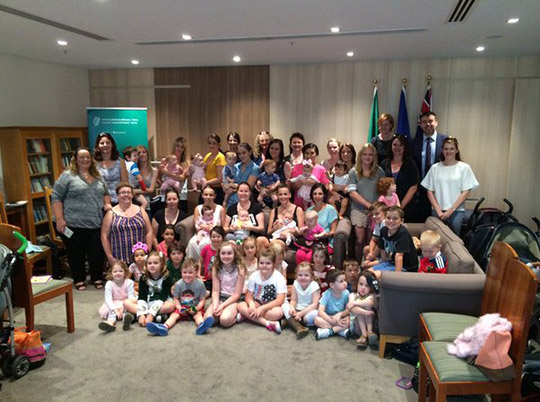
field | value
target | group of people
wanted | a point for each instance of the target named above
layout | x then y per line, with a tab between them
235	258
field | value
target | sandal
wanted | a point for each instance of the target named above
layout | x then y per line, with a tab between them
362	341
80	286
99	284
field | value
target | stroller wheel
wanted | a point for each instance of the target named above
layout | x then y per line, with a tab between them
20	366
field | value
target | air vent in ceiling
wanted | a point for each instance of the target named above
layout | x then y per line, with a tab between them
461	11
55	24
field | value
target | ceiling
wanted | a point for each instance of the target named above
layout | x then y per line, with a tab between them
372	29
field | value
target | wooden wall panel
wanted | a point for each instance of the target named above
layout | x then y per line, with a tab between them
215	99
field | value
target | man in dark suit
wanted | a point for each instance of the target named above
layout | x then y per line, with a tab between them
426	151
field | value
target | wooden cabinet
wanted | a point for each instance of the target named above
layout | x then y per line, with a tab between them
32	158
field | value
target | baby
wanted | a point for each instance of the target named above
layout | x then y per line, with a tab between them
340	197
387	192
197	172
267	183
432	261
287	230
312	231
171	166
304	192
205	223
240	233
229	173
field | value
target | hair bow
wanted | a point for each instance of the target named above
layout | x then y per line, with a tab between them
307	162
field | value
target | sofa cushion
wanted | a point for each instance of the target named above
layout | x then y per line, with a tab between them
460	260
444	230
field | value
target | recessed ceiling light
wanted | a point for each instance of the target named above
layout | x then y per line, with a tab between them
512	20
62	42
134	61
350	54
237	59
480	48
186	37
335	29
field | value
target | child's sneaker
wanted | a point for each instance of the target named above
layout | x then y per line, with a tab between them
346	333
157	329
107	327
127	321
274	326
323	333
239	318
205	325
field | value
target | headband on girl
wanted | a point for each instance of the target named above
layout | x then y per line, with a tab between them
307	162
139	246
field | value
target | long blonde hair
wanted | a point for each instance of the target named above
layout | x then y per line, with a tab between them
374	166
237	261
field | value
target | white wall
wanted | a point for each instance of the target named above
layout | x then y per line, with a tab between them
35	93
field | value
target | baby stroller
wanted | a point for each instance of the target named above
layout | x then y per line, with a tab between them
481	225
12	364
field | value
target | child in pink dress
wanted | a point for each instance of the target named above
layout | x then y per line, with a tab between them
386	188
117	289
171	168
168	240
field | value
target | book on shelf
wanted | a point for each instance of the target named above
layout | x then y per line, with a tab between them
40	213
40	280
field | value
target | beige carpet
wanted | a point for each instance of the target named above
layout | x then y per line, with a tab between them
245	362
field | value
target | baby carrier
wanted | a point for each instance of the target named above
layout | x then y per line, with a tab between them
481	225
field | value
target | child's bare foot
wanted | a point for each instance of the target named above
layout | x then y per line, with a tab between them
142	321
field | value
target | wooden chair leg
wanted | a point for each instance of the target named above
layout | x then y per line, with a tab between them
382	346
70	314
29	314
422	380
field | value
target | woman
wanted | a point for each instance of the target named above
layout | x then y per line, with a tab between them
332	146
111	167
214	161
179	149
347	154
310	151
280	214
382	141
148	173
194	248
328	219
247	171
448	184
123	226
401	167
170	215
233	139
276	152
296	143
256	216
363	192
261	146
78	200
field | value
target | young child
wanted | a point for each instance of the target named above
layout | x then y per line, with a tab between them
281	264
377	210
351	269
228	275
266	293
205	223
311	235
154	293
136	268
131	156
189	297
197	172
361	311
396	245
117	289
304	192
333	317
432	261
321	265
229	173
177	254
340	180
171	168
249	250
240	233
287	230
386	187
168	239
267	184
208	253
305	294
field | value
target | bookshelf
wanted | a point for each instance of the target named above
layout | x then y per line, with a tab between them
33	158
